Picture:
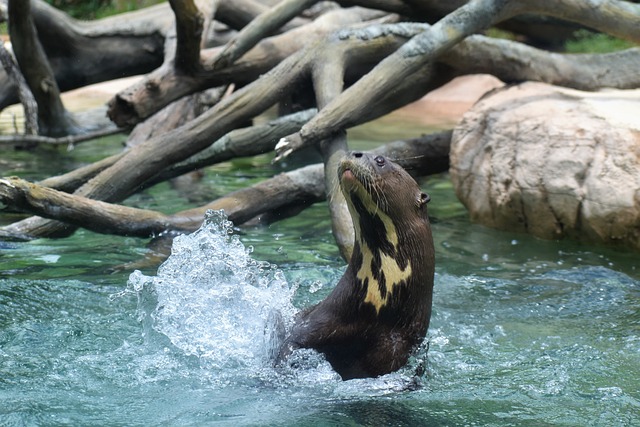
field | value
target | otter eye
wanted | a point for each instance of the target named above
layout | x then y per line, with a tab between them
379	161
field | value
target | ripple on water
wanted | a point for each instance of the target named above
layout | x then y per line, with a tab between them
544	347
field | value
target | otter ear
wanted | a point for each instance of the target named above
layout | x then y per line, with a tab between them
423	199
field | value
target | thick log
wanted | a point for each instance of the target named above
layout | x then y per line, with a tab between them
82	53
516	62
80	211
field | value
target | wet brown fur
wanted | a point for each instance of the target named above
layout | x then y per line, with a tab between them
379	310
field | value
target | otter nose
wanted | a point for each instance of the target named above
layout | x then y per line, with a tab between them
357	154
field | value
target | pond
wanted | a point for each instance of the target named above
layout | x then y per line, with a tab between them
523	332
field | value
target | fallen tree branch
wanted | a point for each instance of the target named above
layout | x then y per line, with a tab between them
301	187
243	142
71	181
53	119
104	49
29	141
328	83
475	16
164	86
189	25
24	93
263	25
514	62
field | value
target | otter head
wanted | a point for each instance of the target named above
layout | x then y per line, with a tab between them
392	233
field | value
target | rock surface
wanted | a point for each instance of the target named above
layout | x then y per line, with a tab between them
553	162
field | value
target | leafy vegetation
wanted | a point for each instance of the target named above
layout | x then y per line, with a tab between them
585	41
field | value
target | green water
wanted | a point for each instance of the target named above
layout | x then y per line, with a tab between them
524	331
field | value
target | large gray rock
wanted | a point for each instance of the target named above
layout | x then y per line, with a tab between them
553	162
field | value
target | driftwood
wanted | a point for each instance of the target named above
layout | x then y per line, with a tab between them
300	188
30	141
53	118
24	94
164	86
86	52
352	63
347	110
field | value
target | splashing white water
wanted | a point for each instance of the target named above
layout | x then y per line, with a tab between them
213	301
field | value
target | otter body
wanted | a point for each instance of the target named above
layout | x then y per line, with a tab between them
380	309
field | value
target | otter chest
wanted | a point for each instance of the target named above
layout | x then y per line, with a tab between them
380	267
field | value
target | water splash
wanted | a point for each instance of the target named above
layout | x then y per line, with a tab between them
215	302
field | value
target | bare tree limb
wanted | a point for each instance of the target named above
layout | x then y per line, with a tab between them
513	62
244	142
52	116
28	141
163	86
240	13
189	22
71	181
263	25
300	187
328	82
425	47
24	93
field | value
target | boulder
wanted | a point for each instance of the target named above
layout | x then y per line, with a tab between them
553	162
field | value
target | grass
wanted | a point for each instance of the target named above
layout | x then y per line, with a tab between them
585	41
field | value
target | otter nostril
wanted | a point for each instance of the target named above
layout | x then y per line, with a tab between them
357	154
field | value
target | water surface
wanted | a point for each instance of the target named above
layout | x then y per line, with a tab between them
524	331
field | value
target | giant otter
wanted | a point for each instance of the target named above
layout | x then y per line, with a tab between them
380	309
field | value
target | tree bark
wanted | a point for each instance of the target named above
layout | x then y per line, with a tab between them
189	24
53	119
164	86
426	47
262	26
24	93
82	53
301	187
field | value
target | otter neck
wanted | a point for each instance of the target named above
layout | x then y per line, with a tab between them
377	262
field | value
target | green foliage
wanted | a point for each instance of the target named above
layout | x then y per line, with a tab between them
93	9
585	41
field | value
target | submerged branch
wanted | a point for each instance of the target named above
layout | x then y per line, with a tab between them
28	141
